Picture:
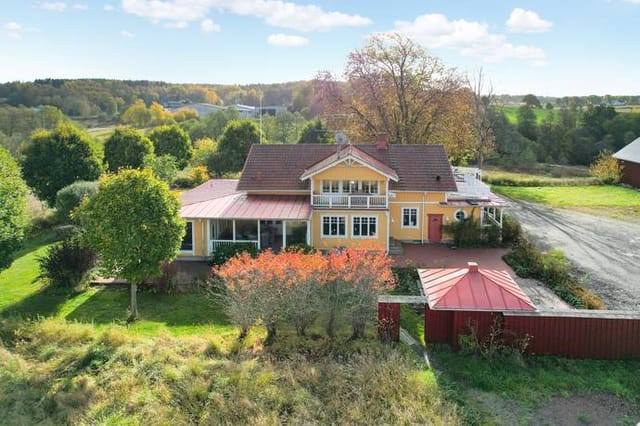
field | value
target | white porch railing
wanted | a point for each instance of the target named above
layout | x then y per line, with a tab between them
349	201
214	244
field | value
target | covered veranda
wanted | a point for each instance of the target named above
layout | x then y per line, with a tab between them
264	221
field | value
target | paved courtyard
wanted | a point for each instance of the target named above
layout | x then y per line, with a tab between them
442	256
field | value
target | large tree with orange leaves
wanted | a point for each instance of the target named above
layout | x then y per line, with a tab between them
394	86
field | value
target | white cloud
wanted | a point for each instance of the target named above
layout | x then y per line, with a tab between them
15	30
527	21
80	6
287	40
208	26
57	6
276	13
108	8
127	34
12	26
470	38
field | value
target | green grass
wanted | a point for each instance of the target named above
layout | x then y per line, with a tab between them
538	378
101	133
512	178
21	294
511	112
614	201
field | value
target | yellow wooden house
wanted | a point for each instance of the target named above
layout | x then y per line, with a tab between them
331	196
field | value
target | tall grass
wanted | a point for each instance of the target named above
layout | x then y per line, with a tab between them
56	372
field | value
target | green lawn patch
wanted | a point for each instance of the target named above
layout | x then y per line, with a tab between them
511	112
539	378
508	178
612	200
22	295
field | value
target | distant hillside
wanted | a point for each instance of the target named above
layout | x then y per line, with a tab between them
107	98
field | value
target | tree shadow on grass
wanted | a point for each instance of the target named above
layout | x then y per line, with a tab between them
180	309
42	303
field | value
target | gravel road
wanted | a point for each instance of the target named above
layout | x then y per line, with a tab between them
606	252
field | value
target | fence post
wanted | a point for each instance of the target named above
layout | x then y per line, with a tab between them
389	321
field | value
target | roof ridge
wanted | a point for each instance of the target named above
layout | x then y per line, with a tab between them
509	290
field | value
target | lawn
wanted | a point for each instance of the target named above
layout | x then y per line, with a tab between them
610	200
516	390
177	314
512	113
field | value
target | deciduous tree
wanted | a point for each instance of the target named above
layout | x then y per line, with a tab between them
316	132
126	148
394	87
137	115
54	159
13	208
233	147
174	141
133	223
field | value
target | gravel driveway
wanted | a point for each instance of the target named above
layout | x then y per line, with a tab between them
605	251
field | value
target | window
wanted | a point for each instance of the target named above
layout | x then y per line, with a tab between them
187	241
370	187
460	215
349	186
409	217
330	186
364	226
334	226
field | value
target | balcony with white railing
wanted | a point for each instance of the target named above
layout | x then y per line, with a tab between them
349	201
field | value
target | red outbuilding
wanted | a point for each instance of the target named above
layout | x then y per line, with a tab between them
459	297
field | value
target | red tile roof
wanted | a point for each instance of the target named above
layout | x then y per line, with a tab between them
473	290
279	167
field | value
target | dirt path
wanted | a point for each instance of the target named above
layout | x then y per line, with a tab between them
606	251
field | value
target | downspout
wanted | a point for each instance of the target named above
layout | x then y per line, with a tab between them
424	218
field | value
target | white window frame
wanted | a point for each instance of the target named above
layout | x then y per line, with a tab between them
193	240
353	223
406	209
455	215
337	217
330	183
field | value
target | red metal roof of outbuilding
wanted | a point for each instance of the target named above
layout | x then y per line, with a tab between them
473	289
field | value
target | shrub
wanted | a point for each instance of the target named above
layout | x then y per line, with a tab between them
606	168
164	167
199	175
224	252
301	247
465	233
511	230
67	264
406	280
70	197
295	287
172	140
551	268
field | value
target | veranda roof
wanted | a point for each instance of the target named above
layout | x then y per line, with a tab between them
473	289
243	206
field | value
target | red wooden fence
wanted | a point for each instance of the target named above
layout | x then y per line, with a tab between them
574	333
389	321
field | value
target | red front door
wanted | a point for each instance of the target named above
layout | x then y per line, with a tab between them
435	228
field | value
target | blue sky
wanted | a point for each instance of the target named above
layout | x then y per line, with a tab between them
545	47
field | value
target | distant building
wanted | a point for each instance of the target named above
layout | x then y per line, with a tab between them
629	158
271	110
204	108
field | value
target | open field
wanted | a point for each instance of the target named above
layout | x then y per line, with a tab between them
608	200
511	111
511	178
101	133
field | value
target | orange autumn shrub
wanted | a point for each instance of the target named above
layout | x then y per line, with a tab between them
297	288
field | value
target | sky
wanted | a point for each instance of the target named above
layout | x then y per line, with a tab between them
554	48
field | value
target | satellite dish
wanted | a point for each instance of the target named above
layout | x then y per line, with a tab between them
341	138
